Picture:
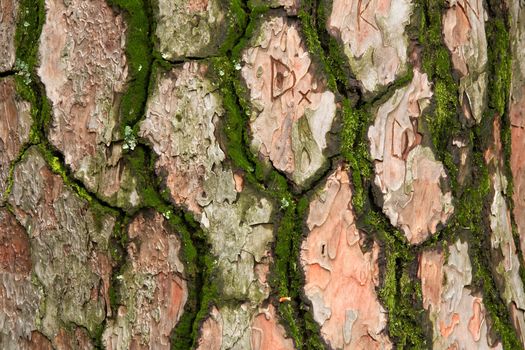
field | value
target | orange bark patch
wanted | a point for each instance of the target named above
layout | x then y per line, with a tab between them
267	333
211	332
336	267
15	122
15	254
447	329
431	275
517	161
372	33
84	69
407	173
197	5
477	319
456	312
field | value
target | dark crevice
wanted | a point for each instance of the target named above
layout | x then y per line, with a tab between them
8	73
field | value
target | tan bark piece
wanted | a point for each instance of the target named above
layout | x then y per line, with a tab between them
67	254
464	35
8	22
506	263
190	28
263	331
15	125
372	33
292	110
152	286
517	115
84	69
183	117
19	297
335	268
458	316
407	173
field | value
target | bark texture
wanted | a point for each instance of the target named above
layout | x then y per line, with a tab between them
407	173
7	34
292	109
457	314
15	126
84	69
262	175
334	263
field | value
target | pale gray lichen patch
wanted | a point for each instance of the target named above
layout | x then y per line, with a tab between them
190	28
183	115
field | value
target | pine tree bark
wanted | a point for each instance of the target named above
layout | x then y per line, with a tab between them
310	174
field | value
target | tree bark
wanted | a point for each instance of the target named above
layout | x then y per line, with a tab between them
310	174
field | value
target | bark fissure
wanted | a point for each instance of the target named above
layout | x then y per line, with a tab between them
450	126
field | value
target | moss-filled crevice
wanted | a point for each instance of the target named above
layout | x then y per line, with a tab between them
400	289
195	248
31	89
137	14
499	72
472	199
286	278
7	73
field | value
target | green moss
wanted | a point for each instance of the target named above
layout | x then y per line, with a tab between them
139	58
472	215
400	291
443	122
286	278
471	202
499	57
354	148
31	17
313	43
198	269
337	63
237	19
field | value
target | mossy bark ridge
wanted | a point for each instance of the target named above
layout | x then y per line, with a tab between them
231	174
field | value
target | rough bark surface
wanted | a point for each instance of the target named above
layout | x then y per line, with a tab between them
20	298
292	110
408	176
8	18
152	287
70	263
84	69
464	35
457	313
263	332
262	175
15	124
182	118
191	28
517	116
372	34
335	265
506	263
